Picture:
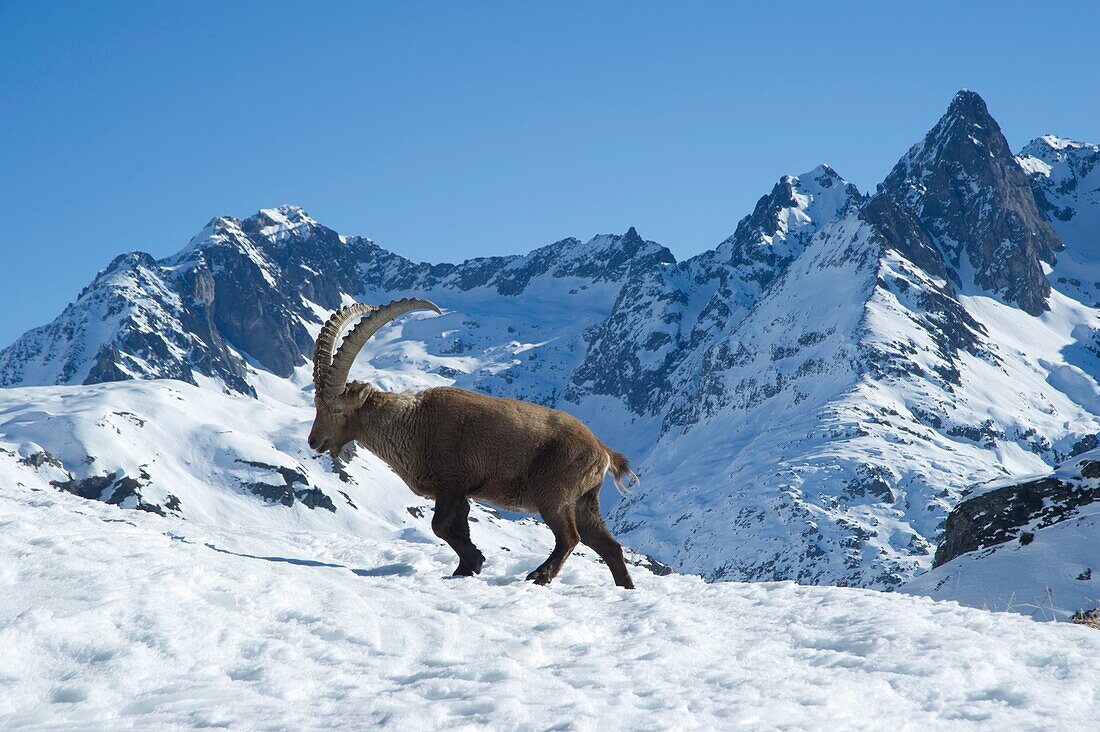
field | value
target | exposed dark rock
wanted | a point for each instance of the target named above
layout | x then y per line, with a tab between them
1016	511
94	487
38	459
985	434
113	489
975	201
652	565
873	481
289	475
286	493
315	498
903	233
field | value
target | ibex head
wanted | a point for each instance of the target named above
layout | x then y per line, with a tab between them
335	399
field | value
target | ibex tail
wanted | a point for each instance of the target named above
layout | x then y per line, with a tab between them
619	466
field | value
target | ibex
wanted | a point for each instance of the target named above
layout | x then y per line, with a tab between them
451	445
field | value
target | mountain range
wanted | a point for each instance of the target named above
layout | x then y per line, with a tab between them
808	400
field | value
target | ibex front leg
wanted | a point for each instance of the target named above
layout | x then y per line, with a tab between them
451	523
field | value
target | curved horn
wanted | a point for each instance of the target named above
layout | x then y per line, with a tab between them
358	336
326	341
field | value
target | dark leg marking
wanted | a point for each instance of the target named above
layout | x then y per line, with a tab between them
470	558
451	523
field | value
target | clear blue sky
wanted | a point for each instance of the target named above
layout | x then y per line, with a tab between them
448	130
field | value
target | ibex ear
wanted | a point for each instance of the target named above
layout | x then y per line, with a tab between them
361	395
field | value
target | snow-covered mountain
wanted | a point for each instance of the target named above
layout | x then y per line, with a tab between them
192	452
808	400
892	365
248	296
973	199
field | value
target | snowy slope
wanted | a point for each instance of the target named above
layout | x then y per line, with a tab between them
1029	543
221	460
651	345
125	619
1029	546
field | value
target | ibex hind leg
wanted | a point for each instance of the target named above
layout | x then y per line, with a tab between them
563	522
451	523
595	535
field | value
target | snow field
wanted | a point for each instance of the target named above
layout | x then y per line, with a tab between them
159	622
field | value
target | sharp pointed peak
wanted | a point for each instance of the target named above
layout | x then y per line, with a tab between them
969	107
967	96
822	170
966	125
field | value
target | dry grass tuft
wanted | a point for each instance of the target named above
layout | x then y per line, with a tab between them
1091	618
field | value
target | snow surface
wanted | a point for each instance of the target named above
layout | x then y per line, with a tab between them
1050	578
122	618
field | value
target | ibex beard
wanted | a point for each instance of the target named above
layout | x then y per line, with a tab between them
450	445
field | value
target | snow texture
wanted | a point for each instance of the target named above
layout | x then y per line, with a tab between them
125	619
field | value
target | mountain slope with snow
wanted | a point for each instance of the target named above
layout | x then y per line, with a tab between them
195	454
808	400
885	371
1029	546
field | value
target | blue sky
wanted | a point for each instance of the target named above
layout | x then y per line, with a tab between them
450	130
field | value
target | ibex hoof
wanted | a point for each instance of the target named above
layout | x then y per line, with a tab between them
469	570
539	577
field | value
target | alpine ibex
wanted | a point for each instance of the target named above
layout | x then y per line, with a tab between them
451	445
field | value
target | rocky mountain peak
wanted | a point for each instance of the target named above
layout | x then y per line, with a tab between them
279	224
1052	146
967	103
973	198
1065	180
821	177
782	221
